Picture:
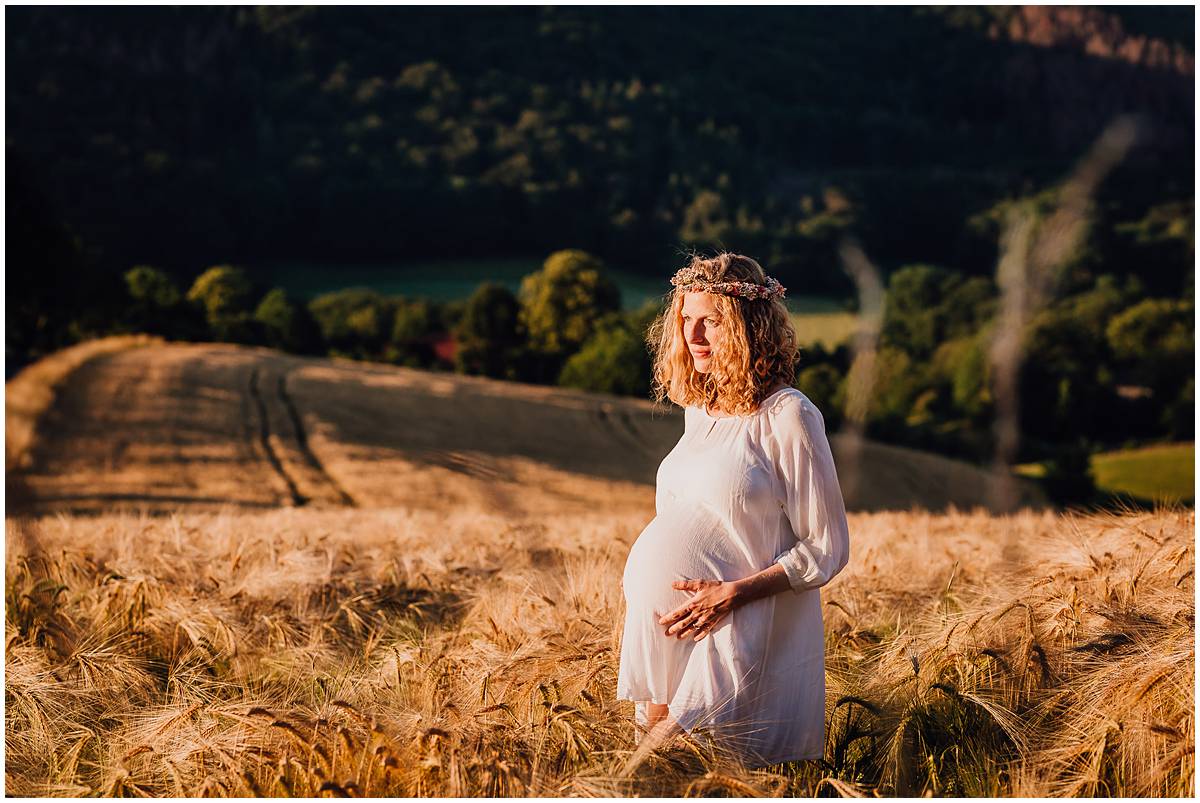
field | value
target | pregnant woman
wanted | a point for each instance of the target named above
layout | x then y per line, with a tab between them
723	613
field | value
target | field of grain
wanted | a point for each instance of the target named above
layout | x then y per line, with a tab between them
232	573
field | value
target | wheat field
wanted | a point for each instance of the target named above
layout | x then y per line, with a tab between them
242	581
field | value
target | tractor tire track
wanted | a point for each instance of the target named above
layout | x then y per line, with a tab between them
247	442
301	435
264	436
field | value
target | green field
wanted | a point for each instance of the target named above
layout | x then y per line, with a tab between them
1155	472
1150	473
815	318
830	328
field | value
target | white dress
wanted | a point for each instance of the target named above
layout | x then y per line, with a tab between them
735	495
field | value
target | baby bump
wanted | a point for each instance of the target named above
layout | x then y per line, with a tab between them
684	542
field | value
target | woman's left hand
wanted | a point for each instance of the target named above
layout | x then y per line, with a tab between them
699	615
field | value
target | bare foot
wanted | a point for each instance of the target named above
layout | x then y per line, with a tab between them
660	728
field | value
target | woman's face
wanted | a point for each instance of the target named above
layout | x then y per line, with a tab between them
702	329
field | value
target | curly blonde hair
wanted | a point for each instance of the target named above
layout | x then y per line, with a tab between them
757	354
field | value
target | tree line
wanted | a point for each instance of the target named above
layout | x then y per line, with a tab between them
565	325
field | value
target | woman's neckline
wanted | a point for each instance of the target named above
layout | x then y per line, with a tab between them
707	414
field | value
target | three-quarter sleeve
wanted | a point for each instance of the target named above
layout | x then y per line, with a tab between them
812	497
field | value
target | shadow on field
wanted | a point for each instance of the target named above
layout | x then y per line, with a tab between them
352	608
465	423
204	426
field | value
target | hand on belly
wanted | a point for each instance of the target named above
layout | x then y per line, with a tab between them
711	602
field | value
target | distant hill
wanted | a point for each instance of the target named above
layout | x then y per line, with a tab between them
200	426
188	136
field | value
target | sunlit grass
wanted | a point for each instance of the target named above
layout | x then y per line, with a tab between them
1165	472
1031	470
827	328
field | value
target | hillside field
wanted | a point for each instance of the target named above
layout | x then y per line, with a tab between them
202	426
232	572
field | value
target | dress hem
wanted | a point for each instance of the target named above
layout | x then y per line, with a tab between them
769	762
756	761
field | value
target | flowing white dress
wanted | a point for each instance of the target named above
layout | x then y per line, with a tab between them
735	495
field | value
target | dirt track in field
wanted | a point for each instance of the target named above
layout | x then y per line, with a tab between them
200	426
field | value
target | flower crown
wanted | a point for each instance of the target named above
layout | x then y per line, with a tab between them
689	279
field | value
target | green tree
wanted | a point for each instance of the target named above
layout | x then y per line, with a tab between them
490	334
151	287
1153	343
225	295
896	382
705	219
1069	375
1065	383
820	383
155	305
287	325
970	374
1180	415
413	324
1068	477
560	305
1159	244
1156	339
356	322
223	292
614	360
927	305
819	374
